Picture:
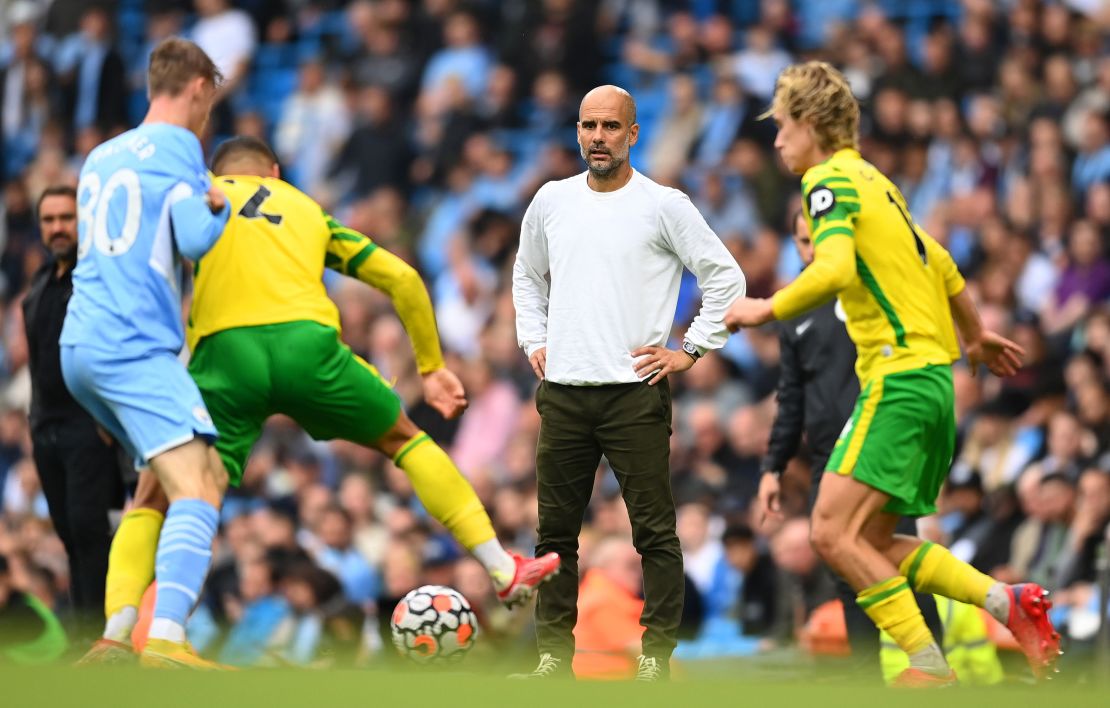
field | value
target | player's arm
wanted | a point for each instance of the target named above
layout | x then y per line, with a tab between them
939	258
983	346
197	222
354	254
832	205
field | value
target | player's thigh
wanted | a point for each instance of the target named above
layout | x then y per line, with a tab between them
329	390
157	402
940	436
149	493
232	371
845	506
883	443
79	370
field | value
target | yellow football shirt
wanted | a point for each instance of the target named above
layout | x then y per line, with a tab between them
892	278
268	268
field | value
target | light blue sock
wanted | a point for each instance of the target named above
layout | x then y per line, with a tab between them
184	552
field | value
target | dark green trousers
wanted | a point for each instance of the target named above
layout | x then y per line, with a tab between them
631	425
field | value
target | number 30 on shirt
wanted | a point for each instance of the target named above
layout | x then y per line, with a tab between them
94	207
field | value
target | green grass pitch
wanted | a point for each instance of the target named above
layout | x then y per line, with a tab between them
125	687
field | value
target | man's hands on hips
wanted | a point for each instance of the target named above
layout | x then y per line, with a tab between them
748	312
444	392
662	361
538	360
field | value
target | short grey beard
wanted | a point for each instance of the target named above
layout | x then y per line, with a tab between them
602	172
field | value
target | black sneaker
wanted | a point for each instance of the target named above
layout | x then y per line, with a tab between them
549	667
649	669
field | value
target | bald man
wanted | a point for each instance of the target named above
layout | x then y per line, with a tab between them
595	286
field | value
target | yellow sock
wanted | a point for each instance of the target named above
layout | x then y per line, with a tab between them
892	607
131	559
933	569
444	492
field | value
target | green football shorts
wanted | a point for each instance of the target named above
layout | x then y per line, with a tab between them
901	438
301	369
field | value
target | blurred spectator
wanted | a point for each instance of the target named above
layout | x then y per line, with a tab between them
257	619
314	124
703	558
805	582
1085	280
29	631
760	62
669	146
372	157
463	57
26	104
607	635
228	36
336	554
326	629
92	75
759	603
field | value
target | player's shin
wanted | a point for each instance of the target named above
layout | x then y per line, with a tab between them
184	553
130	571
891	606
933	569
450	499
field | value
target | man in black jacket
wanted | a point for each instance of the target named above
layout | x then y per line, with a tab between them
76	462
817	390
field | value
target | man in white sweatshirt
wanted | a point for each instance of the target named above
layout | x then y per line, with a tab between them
595	287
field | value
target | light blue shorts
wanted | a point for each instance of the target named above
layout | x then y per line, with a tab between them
149	405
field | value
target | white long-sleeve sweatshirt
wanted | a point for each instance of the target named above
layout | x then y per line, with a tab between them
597	276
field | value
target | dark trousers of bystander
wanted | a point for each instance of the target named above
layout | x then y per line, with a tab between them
81	480
631	425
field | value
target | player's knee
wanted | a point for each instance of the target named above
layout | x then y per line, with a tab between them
149	493
827	538
396	437
218	474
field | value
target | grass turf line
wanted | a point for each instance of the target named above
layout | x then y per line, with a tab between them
125	687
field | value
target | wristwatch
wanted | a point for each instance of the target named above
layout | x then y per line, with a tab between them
689	348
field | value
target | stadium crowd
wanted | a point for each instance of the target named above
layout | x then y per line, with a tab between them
429	124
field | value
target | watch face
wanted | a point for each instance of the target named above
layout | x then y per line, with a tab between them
689	348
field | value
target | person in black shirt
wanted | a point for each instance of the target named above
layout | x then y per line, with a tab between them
817	390
76	462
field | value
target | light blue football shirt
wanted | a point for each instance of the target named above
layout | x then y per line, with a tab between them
141	207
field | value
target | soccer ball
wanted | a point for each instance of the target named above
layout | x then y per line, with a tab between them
434	624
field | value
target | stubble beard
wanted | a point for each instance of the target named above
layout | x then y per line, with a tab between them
603	171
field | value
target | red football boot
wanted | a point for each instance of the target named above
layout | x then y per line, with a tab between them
1031	627
530	573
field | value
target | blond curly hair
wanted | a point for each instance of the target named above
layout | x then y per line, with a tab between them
817	94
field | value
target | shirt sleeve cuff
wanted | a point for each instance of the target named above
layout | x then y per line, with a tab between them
530	349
